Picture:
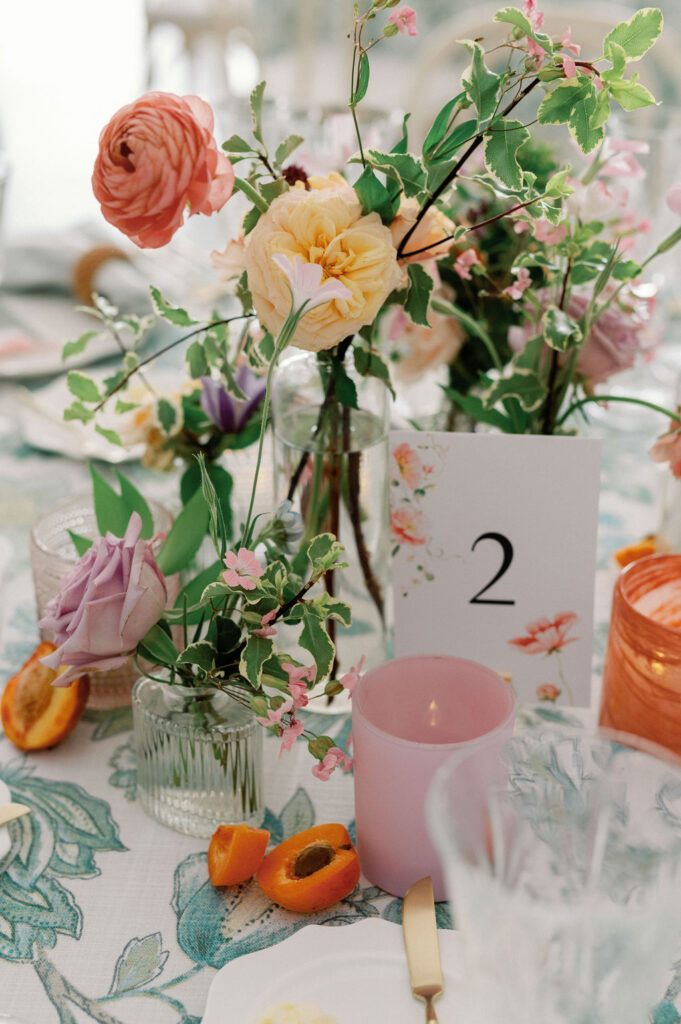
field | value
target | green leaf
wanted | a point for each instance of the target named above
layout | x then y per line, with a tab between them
557	186
200	653
439	127
197	363
122	406
346	390
474	407
157	647
167	414
560	330
77	411
502	142
481	84
420	286
255	104
251	193
235	144
515	17
315	639
193	591
185	536
402	167
669	242
323	552
248	223
81	544
524	386
585	126
271	189
74	348
254	655
110	435
369	363
464	132
223	483
558	105
285	148
631	95
637	35
374	196
112	512
82	387
329	607
362	80
134	501
215	591
173	314
626	270
617	57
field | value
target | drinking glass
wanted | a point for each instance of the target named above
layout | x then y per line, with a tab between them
564	874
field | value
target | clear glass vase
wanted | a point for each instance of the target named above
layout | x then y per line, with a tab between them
332	461
199	757
53	556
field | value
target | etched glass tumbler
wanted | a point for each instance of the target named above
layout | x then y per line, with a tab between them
564	875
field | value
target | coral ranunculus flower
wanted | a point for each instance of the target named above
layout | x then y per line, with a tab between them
409	465
157	156
408	525
327	227
547	635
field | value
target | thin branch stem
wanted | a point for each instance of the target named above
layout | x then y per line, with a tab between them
604	399
474	227
457	167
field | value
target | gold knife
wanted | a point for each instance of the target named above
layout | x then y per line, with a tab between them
8	812
420	940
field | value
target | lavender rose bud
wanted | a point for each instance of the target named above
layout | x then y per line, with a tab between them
228	414
108	602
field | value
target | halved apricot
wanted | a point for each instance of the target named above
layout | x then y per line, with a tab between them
312	870
235	853
35	714
632	552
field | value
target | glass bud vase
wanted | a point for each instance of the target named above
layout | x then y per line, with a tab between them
332	462
199	757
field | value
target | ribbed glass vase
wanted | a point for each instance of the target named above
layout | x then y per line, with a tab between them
199	757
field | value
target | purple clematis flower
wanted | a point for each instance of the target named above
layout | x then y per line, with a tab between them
228	414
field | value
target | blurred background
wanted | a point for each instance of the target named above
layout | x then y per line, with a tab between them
65	68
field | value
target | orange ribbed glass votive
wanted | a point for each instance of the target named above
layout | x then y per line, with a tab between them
642	673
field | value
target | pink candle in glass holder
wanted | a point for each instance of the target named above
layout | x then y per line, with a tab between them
408	716
642	672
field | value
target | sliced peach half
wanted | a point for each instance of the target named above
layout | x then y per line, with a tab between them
35	714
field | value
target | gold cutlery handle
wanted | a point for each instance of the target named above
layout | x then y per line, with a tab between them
431	1016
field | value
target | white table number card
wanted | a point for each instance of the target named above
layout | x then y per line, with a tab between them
494	554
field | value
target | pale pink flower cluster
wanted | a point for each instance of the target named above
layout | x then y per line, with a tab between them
464	261
405	19
350	679
243	569
545	636
298	678
266	628
288	731
520	285
334	758
409	525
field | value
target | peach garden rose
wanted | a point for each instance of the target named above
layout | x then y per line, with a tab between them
324	226
157	157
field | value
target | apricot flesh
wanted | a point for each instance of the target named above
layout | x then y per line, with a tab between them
312	870
36	715
235	853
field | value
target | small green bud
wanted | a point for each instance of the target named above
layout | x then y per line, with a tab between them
390	30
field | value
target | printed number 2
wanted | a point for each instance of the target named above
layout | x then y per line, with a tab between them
507	549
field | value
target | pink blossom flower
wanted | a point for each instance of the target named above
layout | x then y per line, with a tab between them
157	157
567	44
106	604
545	636
350	679
408	525
274	715
673	198
305	280
298	678
522	282
290	734
667	448
569	67
534	49
464	261
547	691
409	466
265	628
620	159
335	758
533	14
243	569
520	226
404	18
544	231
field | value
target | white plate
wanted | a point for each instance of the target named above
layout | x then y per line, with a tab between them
5	841
354	972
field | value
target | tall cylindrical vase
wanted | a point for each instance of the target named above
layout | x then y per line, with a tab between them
331	460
